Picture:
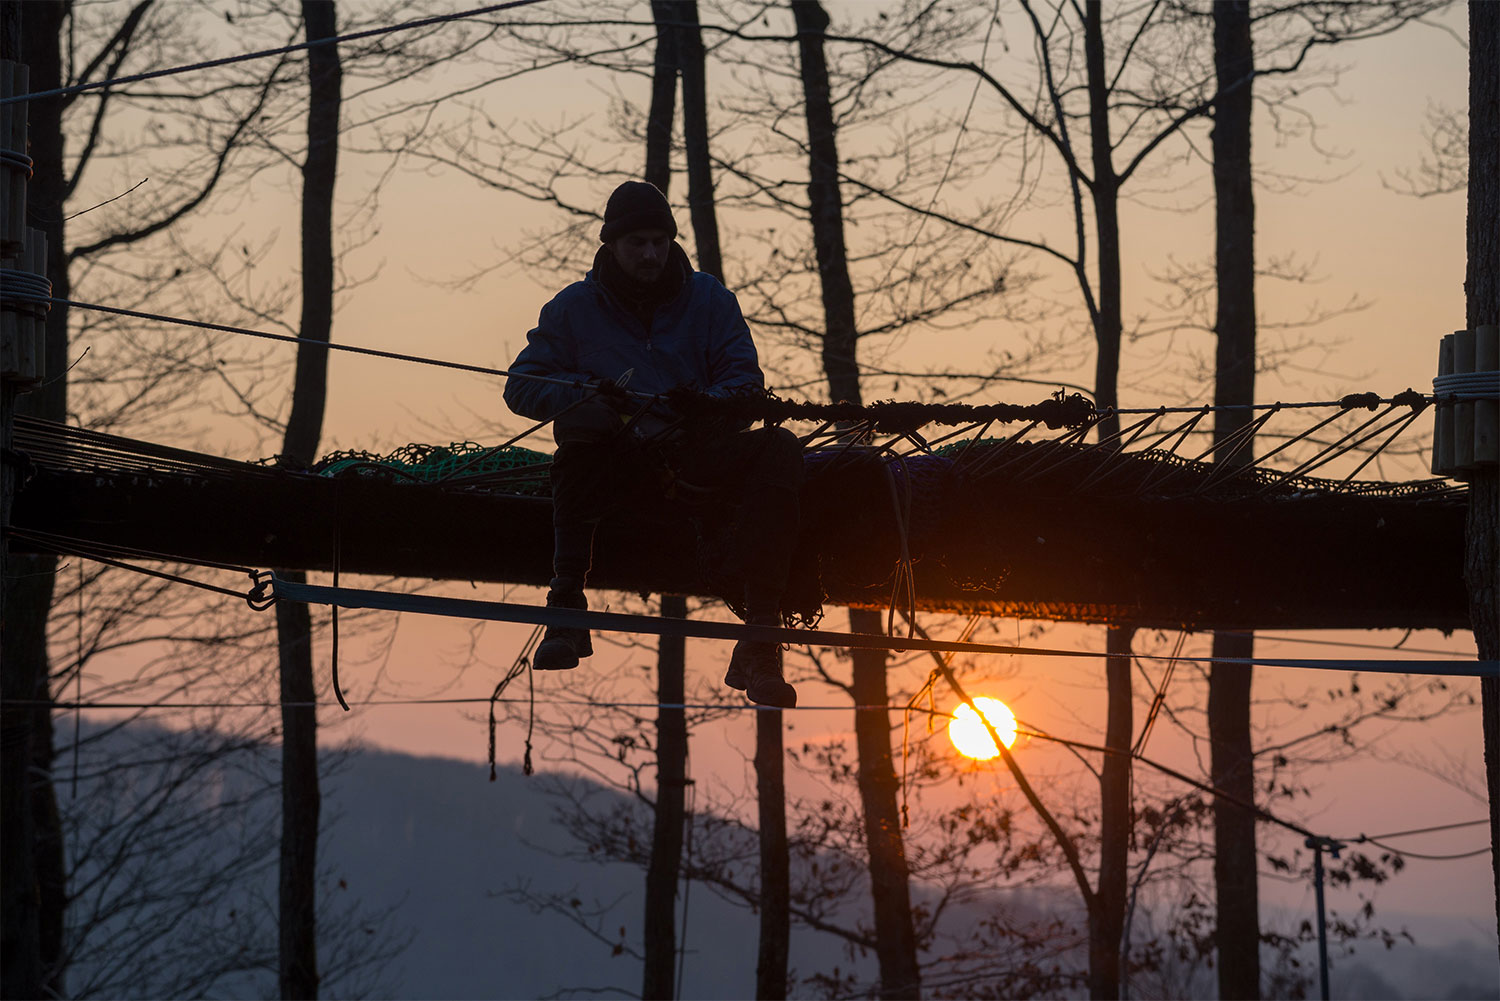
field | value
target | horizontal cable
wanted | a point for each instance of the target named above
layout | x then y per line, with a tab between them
500	611
426	604
518	700
265	53
1425	857
1352	401
1421	830
904	414
1347	644
330	345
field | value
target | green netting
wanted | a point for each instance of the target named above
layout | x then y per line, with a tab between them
460	462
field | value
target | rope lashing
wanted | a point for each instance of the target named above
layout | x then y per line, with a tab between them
18	162
25	287
886	416
501	611
1467	386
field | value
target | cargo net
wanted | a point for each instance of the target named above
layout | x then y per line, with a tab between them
505	468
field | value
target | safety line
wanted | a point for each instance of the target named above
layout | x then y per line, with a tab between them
1272	638
501	611
1352	401
345	597
1421	830
1425	857
1172	773
264	53
458	701
1349	402
73	550
330	345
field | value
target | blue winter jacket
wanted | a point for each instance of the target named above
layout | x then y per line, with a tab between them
699	340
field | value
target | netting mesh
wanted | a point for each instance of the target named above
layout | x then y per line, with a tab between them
521	470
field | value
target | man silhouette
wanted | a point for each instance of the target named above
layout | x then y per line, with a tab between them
643	318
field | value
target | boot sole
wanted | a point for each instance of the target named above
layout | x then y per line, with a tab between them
782	699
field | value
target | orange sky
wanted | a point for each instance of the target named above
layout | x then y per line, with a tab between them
1403	255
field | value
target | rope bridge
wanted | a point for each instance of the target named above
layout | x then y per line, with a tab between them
1134	529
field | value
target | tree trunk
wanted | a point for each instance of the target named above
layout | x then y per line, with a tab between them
895	937
34	893
1482	284
663	96
1106	199
770	758
658	973
775	868
879	792
695	133
1107	920
1237	925
827	207
1107	907
300	797
662	873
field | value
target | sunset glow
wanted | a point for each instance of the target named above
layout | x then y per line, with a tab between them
968	732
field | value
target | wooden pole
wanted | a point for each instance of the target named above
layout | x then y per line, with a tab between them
22	327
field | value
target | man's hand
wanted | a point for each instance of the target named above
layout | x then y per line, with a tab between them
612	391
597	418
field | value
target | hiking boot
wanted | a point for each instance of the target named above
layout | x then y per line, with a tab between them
563	646
755	669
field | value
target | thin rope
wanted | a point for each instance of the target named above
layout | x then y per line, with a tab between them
521	663
1429	858
97	558
1033	733
265	53
897	415
706	629
330	345
1159	697
1424	830
454	701
1173	773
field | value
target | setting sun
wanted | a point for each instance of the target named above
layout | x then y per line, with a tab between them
968	733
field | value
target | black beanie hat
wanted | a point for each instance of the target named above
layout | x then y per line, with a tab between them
636	205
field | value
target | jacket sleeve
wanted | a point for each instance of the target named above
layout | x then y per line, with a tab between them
733	364
550	351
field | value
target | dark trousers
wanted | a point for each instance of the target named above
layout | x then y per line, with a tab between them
752	476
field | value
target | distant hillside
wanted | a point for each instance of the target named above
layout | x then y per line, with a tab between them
433	842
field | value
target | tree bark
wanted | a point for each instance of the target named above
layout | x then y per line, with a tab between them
1232	764
775	867
1107	919
1482	285
658	973
1106	198
827	207
691	63
900	976
663	96
662	873
300	795
34	893
1107	906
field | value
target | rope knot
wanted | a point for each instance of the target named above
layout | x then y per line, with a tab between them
1410	398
